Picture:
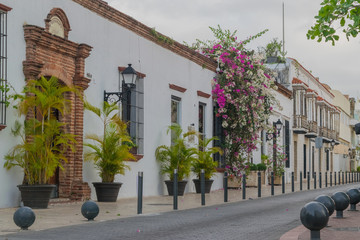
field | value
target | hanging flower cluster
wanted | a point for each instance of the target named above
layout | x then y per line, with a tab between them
242	92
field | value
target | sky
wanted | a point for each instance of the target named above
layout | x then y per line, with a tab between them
188	20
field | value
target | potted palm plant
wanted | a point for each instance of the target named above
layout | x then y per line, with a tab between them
176	156
108	151
43	138
204	160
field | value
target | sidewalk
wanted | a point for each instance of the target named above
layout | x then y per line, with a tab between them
64	214
346	228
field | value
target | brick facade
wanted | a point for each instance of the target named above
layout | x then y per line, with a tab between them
50	55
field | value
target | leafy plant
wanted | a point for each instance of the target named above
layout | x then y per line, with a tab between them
358	169
204	158
243	94
261	167
110	150
4	89
161	37
43	139
334	15
253	167
274	49
176	156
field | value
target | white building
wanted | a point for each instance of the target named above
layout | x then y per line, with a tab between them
88	43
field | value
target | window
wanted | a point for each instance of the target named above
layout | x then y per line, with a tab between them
3	64
175	109
175	112
133	114
202	120
219	133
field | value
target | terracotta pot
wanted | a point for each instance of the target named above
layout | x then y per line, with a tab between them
252	178
234	182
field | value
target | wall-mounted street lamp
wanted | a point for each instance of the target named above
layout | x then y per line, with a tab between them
350	153
278	126
129	77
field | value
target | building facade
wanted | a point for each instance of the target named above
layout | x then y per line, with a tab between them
87	43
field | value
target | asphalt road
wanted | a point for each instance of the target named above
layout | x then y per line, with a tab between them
258	219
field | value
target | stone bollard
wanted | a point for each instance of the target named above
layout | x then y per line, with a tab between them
342	201
328	202
24	217
90	210
354	196
314	216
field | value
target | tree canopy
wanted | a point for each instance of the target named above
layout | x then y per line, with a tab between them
333	16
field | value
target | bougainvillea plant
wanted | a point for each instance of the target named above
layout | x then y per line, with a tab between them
242	92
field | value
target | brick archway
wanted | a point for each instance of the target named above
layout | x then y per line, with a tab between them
50	55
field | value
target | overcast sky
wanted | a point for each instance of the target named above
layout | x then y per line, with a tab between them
186	20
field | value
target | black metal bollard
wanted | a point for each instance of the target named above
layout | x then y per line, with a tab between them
175	193
342	177
259	184
326	179
301	181
339	176
335	178
140	193
328	202
354	196
202	186
272	183
90	210
225	183
314	216
283	182
330	179
342	201
346	177
308	180
24	217
352	177
314	180
244	186
320	180
292	182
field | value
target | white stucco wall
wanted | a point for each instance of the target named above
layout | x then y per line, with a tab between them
113	46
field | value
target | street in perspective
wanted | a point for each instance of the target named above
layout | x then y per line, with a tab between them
162	119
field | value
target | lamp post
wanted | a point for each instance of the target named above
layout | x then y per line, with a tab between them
278	126
129	76
332	144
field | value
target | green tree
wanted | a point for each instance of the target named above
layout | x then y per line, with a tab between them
333	16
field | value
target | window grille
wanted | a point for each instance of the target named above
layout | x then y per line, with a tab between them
133	114
3	66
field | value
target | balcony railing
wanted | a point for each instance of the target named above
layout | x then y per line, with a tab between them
313	127
300	121
325	132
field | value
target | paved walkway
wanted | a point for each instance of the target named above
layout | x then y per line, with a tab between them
65	214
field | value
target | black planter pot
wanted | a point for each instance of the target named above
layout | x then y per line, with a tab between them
36	196
208	184
107	192
170	187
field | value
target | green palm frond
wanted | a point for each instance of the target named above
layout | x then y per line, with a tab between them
109	151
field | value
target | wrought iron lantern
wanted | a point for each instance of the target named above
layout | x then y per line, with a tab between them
278	126
129	77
